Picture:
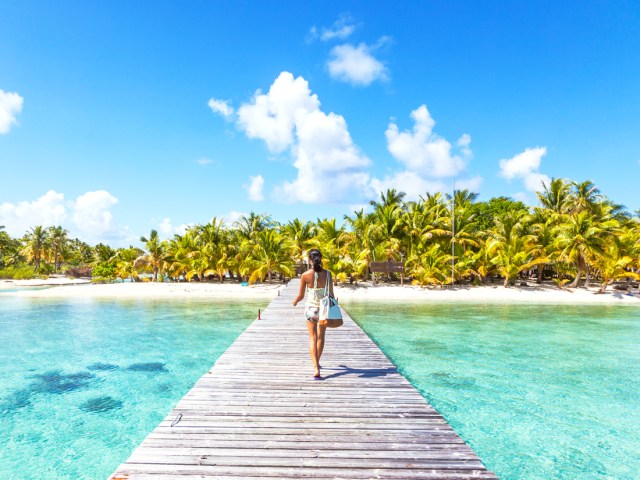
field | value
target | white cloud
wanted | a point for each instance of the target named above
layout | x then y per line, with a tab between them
10	106
272	116
221	107
341	29
204	161
411	183
254	189
92	216
88	217
523	163
167	230
472	184
525	166
355	65
423	151
233	216
47	210
289	117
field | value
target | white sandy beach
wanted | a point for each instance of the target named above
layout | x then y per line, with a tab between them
486	294
62	287
79	289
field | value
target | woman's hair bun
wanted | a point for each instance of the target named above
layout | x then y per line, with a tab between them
316	259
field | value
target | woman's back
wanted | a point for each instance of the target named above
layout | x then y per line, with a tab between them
316	283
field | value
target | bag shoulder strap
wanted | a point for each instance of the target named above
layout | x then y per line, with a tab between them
326	285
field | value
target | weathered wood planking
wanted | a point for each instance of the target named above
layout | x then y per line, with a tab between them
258	413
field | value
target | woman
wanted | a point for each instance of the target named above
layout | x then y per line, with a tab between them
314	280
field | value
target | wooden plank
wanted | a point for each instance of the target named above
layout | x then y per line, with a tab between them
386	267
258	413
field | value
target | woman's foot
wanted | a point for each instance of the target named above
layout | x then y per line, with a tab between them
316	373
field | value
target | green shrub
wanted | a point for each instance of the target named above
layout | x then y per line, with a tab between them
23	272
95	279
104	270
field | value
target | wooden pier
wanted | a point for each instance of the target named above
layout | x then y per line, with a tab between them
258	413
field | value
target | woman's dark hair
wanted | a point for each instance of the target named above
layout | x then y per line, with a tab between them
316	259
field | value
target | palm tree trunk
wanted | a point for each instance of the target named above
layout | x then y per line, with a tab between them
586	276
540	270
269	276
574	284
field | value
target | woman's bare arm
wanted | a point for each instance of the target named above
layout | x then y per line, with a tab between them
303	285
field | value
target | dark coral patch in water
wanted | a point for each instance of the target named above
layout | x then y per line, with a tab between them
101	404
15	401
147	367
55	382
102	366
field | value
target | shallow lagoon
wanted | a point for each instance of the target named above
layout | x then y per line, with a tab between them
85	381
539	391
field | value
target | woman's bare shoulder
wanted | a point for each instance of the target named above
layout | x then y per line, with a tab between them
308	275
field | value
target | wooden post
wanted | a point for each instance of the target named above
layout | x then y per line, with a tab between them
259	314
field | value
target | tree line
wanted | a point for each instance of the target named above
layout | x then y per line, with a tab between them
575	234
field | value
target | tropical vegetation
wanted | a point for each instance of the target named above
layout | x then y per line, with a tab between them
574	236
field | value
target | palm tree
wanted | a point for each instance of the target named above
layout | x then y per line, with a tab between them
271	253
514	256
464	198
332	241
613	266
212	244
249	225
177	258
556	196
389	198
9	248
36	246
432	267
581	238
586	195
59	239
155	256
300	233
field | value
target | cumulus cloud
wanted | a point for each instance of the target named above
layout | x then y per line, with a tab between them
233	216
426	158
168	230
411	183
88	217
472	184
47	210
425	152
92	216
525	166
356	65
10	106
288	117
254	188
271	117
342	28
221	107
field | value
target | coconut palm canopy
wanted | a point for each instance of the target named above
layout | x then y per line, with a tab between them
575	234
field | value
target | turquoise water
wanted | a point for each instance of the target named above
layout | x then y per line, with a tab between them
539	392
84	381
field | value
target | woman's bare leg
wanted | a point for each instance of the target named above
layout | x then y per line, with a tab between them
313	347
320	341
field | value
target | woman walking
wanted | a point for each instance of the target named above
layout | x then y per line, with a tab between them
314	281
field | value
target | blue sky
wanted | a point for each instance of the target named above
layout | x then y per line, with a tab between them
118	117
